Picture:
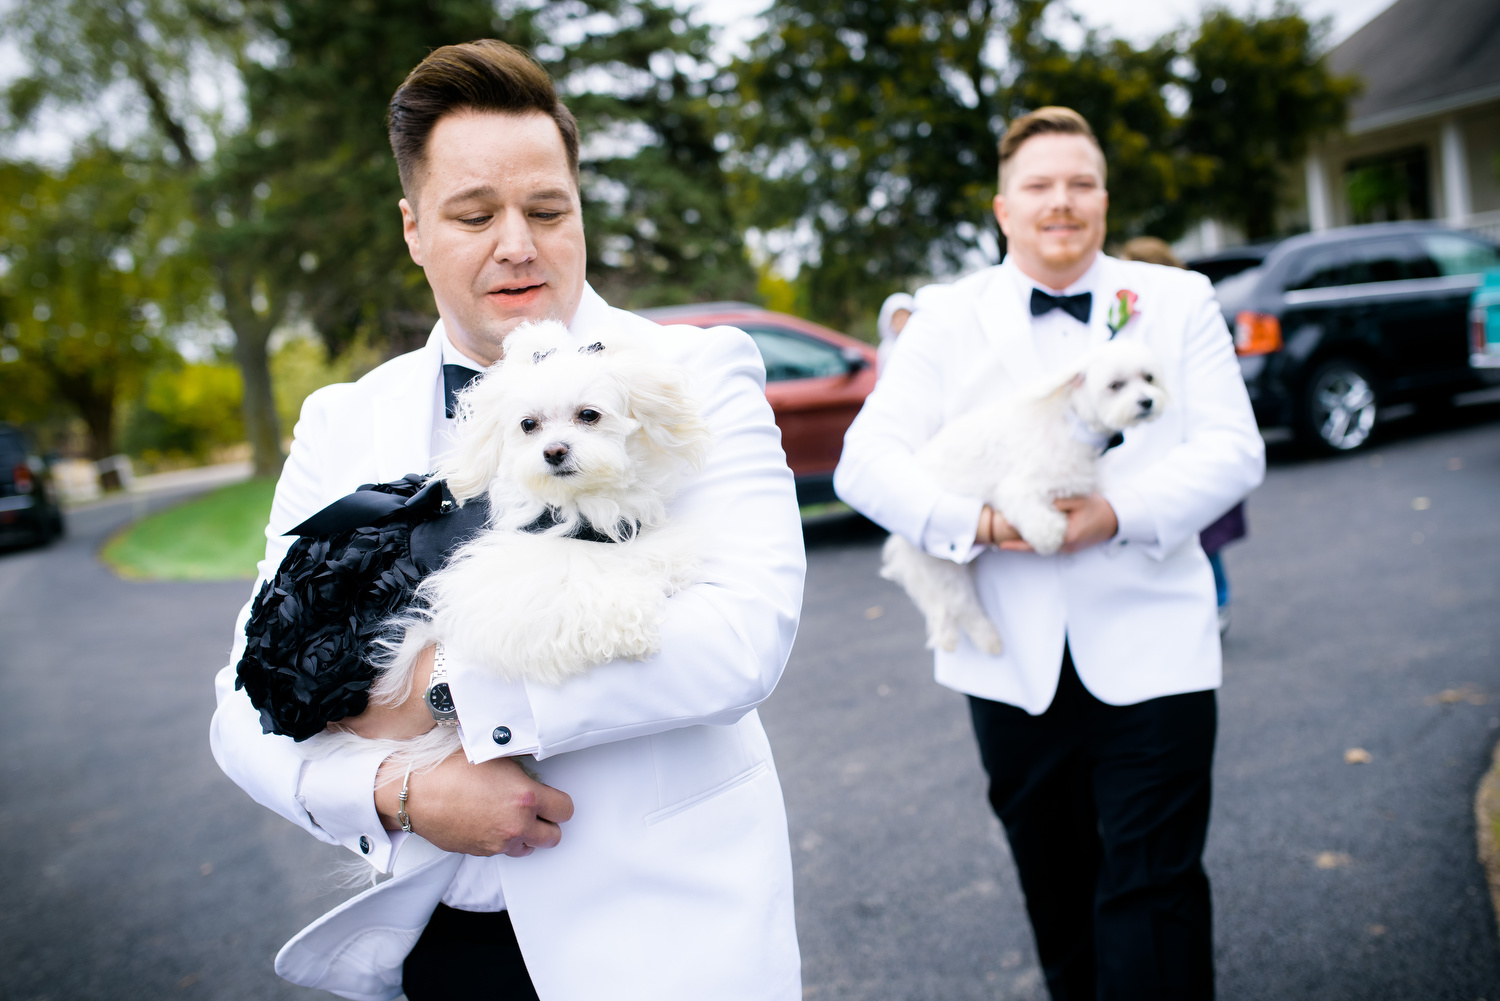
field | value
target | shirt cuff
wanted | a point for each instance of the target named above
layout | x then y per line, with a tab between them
338	791
1136	526
494	716
951	527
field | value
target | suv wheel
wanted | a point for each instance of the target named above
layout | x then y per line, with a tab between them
1339	406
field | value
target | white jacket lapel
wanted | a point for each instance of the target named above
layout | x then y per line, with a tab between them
402	417
1011	360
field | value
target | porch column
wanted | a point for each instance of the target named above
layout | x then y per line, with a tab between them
1455	174
1319	211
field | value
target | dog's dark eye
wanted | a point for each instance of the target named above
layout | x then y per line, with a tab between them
1149	377
528	425
1116	386
588	416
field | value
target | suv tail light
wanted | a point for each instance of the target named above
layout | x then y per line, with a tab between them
1477	332
1256	334
22	476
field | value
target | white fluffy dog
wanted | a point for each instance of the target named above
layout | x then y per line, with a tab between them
1019	456
579	447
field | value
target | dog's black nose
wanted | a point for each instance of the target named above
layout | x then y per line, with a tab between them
555	454
1146	405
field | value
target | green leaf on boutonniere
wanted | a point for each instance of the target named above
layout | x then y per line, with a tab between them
1121	310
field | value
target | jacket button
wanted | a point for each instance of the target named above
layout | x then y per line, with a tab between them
501	735
364	844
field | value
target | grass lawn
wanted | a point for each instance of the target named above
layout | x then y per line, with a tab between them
218	536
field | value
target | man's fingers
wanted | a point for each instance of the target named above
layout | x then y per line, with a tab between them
1018	546
553	804
1069	504
539	834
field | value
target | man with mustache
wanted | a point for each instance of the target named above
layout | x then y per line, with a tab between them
1096	725
645	855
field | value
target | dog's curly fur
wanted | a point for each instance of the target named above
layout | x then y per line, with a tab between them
1019	456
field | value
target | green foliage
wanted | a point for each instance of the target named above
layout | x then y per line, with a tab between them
184	412
1121	91
220	536
868	130
657	207
90	276
311	180
303	364
1260	93
867	126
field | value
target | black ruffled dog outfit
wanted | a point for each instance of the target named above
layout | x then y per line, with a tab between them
312	627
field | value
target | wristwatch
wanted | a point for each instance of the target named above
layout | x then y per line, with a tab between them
438	698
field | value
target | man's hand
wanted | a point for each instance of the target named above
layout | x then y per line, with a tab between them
408	718
994	530
1091	521
492	808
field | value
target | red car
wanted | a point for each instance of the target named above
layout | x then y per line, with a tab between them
816	381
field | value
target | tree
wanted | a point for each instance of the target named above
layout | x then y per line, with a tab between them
1121	91
868	127
312	174
130	64
89	281
1260	93
657	205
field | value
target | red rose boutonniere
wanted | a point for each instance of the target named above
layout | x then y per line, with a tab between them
1122	311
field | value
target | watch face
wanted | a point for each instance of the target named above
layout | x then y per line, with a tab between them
439	698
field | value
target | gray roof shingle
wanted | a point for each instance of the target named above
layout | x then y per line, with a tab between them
1421	51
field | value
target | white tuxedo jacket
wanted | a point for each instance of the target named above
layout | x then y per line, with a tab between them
1138	612
673	879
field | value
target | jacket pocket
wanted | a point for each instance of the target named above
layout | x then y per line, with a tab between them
748	775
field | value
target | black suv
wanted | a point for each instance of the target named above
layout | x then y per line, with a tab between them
29	508
1333	326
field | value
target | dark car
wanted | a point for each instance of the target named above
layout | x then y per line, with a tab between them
816	381
1331	327
1231	261
29	507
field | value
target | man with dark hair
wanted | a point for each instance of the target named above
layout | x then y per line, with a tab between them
648	858
1096	724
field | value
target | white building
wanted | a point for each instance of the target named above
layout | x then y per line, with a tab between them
1423	139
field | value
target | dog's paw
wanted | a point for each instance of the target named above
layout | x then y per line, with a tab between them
945	638
986	638
1046	535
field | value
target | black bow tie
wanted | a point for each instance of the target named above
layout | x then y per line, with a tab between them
455	378
1076	306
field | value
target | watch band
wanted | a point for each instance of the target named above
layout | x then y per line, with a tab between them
438	697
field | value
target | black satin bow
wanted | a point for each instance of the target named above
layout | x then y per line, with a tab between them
455	378
1076	306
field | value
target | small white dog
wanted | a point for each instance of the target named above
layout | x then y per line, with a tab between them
579	447
1019	456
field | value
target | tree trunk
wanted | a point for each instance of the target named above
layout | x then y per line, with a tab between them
99	414
251	334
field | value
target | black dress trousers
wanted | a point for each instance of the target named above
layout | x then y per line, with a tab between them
1106	810
467	955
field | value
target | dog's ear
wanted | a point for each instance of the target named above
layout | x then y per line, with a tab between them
1068	385
475	458
663	405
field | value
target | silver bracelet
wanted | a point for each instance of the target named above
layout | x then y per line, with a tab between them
402	817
